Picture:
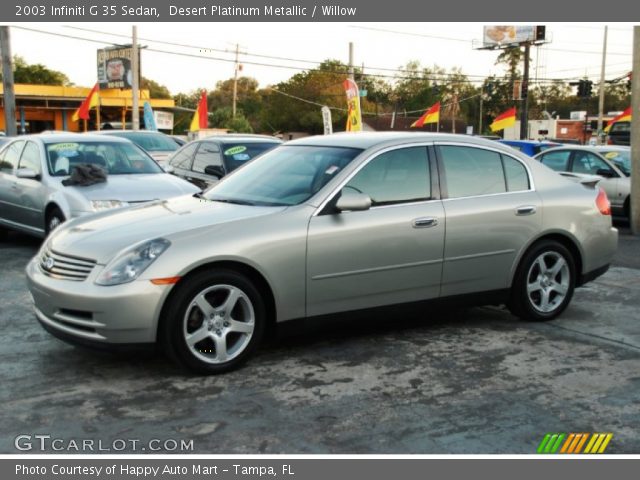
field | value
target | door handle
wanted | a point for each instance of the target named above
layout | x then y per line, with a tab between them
425	222
526	210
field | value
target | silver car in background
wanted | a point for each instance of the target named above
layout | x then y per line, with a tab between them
323	225
34	200
158	145
610	162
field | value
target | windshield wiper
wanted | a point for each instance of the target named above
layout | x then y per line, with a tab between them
235	201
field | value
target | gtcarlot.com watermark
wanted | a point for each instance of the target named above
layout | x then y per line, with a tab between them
48	443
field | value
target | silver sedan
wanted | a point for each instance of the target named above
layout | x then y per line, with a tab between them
35	196
610	162
318	226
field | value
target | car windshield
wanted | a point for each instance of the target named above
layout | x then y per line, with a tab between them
286	175
622	159
237	154
117	158
151	142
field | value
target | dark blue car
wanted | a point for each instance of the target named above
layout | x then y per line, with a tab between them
530	147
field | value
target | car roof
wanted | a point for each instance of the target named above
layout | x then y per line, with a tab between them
59	137
527	142
239	138
366	140
128	132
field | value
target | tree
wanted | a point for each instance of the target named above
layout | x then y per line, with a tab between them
295	104
155	89
36	74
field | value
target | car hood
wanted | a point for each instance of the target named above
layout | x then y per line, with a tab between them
137	188
102	236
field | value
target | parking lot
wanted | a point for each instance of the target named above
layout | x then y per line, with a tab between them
471	380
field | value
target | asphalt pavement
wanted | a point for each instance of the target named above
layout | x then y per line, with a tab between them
473	380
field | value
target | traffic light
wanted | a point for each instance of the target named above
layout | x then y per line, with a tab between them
588	87
585	88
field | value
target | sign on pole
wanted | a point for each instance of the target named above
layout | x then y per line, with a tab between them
326	120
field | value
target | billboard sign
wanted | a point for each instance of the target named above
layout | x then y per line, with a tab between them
164	120
499	35
114	67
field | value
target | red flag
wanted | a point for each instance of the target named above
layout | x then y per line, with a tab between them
87	104
432	115
201	116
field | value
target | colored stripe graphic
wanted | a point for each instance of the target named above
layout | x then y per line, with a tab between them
573	443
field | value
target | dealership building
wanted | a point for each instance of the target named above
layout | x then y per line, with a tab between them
51	107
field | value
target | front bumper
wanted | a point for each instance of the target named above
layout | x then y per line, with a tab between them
94	314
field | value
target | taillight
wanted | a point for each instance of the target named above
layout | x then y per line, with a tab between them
609	141
602	202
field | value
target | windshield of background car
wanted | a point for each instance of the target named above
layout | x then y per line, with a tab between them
237	154
117	158
286	175
622	159
151	142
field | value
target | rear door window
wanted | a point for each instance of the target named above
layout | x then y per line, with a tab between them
471	171
557	161
11	154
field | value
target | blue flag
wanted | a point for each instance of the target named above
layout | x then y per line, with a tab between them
149	120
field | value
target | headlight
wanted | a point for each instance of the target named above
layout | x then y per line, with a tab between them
129	265
99	205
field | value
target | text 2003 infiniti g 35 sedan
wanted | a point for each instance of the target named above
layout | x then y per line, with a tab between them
323	225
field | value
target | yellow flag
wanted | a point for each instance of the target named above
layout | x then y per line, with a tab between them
354	115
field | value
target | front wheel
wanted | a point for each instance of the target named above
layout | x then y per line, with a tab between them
54	219
214	322
544	283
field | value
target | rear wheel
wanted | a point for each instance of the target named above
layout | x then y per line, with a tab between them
627	208
214	322
544	283
55	217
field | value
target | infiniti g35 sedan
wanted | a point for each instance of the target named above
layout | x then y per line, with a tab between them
35	196
318	226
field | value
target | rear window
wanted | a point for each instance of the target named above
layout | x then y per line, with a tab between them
237	154
151	142
620	127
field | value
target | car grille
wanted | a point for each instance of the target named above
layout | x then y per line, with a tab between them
66	267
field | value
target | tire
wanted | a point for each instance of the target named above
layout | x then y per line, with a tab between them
627	208
213	322
53	220
544	282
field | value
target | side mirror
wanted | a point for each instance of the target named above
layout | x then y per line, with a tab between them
353	201
215	170
169	169
605	172
27	173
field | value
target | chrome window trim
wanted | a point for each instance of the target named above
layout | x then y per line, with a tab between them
365	162
532	187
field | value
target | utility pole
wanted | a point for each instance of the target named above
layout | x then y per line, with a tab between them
235	82
135	113
351	72
7	81
480	119
524	114
601	100
635	135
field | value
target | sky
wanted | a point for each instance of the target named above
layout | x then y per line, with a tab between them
207	50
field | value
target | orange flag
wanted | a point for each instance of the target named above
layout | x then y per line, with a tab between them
432	115
504	120
87	104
